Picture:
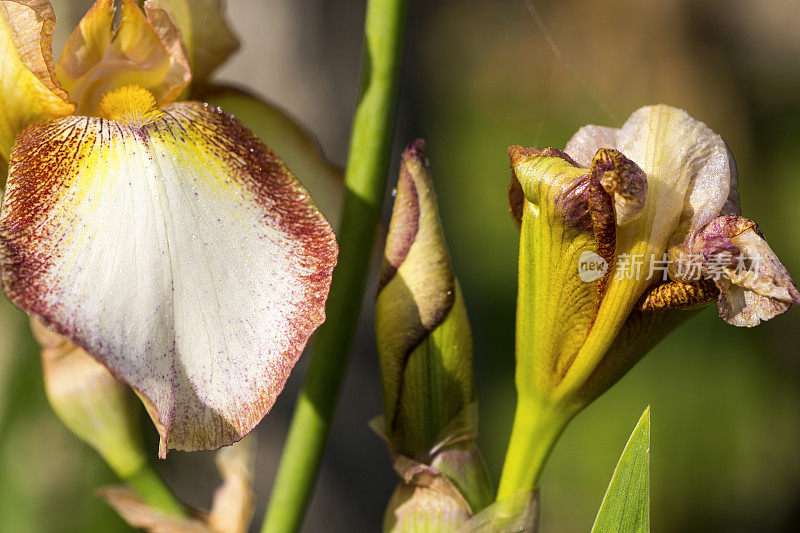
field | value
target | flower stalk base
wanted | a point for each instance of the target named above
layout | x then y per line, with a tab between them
534	433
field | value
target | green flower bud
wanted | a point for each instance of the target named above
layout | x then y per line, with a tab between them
425	355
422	331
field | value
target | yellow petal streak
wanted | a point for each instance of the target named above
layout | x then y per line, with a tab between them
130	105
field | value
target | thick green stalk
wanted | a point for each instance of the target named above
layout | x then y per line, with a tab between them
365	178
534	433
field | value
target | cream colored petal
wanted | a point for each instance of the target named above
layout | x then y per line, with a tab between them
182	255
143	51
684	156
686	162
296	145
588	140
29	89
689	176
204	31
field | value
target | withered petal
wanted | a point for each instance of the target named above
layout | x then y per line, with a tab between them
137	513
204	32
754	285
623	179
234	500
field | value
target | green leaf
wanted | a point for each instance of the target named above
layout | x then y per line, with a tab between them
626	505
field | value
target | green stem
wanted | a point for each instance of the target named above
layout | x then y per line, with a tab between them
152	488
365	177
534	433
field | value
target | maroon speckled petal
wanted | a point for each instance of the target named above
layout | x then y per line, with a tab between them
183	255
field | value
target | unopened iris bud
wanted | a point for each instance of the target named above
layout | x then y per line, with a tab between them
624	234
423	335
425	348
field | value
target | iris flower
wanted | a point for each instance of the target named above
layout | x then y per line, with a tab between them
162	237
624	234
655	202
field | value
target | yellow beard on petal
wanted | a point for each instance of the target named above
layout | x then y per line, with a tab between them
130	105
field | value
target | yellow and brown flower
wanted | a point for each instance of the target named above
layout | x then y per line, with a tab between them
624	234
656	197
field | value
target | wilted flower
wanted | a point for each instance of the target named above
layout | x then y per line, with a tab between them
623	235
162	237
425	358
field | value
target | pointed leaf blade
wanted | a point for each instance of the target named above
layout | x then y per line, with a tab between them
626	505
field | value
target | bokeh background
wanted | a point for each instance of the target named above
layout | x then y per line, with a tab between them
479	75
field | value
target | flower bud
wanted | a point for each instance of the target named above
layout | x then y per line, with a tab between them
422	331
425	359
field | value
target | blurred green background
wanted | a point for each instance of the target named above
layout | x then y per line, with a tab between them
478	76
